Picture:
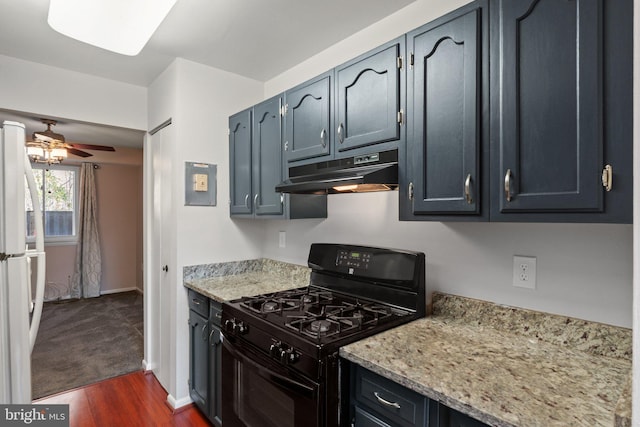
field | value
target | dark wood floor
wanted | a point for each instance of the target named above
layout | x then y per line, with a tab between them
135	399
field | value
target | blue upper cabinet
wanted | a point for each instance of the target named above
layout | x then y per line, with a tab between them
308	119
240	168
267	158
370	99
446	127
552	123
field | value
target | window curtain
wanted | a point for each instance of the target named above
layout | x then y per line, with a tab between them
85	282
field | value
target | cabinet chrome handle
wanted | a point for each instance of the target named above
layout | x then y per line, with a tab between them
386	402
204	332
195	301
507	185
282	198
340	136
607	177
255	200
246	201
323	136
467	189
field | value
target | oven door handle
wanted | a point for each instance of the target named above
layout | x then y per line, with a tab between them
284	382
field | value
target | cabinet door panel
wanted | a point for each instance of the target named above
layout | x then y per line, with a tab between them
308	119
549	125
240	163
267	157
199	355
445	116
368	98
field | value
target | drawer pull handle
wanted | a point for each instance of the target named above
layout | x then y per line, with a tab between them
195	301
386	402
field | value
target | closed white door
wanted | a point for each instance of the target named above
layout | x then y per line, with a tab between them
160	272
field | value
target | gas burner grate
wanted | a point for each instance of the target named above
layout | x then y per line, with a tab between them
287	301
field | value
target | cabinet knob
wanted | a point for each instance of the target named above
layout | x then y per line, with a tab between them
507	185
165	268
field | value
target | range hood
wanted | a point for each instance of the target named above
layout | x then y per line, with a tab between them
365	173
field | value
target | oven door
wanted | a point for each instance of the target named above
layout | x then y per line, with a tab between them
257	391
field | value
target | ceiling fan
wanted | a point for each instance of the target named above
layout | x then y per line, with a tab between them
51	147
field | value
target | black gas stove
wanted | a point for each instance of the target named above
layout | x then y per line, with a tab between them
280	350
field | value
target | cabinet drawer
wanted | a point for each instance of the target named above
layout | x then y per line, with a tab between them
199	303
399	405
215	313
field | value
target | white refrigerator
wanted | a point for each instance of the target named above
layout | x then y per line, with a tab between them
20	310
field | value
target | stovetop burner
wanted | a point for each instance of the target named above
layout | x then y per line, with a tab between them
319	314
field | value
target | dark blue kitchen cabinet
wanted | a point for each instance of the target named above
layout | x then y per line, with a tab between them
376	401
199	350
257	165
308	119
205	355
215	363
267	157
240	166
445	167
370	97
561	110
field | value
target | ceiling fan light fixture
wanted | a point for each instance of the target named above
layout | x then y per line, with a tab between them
121	26
35	152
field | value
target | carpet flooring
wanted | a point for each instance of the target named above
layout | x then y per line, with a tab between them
84	341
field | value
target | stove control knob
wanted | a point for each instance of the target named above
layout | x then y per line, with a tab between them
292	356
230	325
274	349
240	328
283	355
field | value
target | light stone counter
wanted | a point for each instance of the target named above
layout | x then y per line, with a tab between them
506	366
228	281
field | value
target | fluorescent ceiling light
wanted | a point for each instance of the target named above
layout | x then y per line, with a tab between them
122	26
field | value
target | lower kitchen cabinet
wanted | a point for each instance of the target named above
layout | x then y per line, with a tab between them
376	401
205	355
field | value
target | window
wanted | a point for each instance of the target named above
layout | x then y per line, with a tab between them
58	193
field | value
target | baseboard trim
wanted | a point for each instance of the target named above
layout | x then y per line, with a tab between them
178	405
117	291
148	367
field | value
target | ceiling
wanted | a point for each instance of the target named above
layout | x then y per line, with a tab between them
254	38
82	132
258	39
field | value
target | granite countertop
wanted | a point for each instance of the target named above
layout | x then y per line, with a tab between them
507	366
228	281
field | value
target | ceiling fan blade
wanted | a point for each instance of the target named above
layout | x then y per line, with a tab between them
79	153
90	147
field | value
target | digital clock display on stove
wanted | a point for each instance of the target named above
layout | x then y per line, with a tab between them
353	259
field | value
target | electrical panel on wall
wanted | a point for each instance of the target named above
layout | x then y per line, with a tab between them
200	184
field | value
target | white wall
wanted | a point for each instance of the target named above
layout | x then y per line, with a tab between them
199	101
584	270
41	89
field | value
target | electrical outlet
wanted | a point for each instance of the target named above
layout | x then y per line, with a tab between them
524	271
282	239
